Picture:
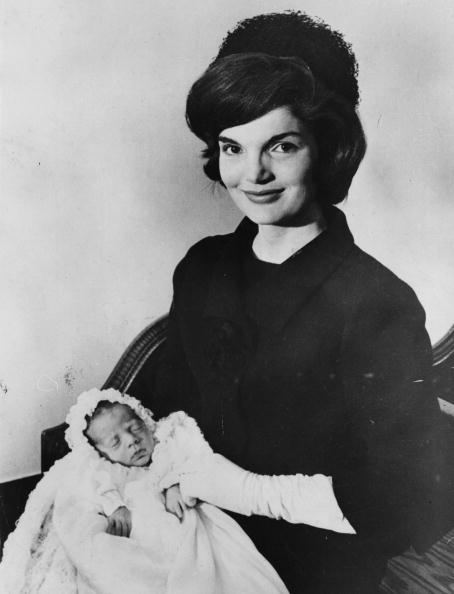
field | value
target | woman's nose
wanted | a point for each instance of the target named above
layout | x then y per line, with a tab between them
258	170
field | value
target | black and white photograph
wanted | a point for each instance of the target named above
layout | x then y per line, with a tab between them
227	323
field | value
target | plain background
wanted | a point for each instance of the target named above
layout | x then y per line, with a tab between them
102	190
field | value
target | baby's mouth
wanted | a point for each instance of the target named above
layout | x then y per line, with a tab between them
139	454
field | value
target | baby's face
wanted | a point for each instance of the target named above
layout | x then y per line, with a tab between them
121	436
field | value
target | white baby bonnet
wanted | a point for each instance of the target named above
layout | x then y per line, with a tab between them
24	540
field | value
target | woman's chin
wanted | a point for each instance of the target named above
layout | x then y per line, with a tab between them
275	213
270	219
263	216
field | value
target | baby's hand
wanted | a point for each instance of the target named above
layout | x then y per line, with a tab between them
174	502
119	523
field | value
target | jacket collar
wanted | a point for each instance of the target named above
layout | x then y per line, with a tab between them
298	277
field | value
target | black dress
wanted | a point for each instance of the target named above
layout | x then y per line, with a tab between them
318	365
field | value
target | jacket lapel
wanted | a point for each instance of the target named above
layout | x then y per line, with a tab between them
228	333
303	274
226	289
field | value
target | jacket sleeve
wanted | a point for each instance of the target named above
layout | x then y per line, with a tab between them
388	482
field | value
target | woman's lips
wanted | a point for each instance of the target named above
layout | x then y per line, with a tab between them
263	196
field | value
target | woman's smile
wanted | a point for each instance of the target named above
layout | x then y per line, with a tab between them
263	196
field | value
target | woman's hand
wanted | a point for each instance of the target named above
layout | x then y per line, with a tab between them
119	522
174	502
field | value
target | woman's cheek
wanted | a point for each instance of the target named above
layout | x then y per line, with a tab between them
230	172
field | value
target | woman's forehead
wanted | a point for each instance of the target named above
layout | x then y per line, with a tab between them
274	123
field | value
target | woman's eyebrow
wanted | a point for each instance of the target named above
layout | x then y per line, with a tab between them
227	139
272	140
278	137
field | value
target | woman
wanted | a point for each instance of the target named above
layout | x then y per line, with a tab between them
297	353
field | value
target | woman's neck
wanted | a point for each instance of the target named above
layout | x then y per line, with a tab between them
275	243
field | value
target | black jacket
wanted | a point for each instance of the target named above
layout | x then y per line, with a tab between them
337	385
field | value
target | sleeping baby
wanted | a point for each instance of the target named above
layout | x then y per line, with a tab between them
100	521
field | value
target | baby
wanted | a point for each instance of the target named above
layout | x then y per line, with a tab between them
113	484
120	436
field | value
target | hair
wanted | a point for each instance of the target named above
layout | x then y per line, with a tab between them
293	33
242	87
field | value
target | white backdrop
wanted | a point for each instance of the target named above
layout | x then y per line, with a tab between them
102	190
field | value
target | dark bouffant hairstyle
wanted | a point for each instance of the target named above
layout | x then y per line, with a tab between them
240	88
293	33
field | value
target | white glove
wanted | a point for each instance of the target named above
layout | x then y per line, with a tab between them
299	499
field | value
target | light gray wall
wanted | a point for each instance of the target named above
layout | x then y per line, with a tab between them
102	190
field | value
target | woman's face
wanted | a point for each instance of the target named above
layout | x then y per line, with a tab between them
121	436
266	166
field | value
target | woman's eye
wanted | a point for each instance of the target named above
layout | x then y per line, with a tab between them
230	149
114	444
284	147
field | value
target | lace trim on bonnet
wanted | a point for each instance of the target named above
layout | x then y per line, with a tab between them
85	407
